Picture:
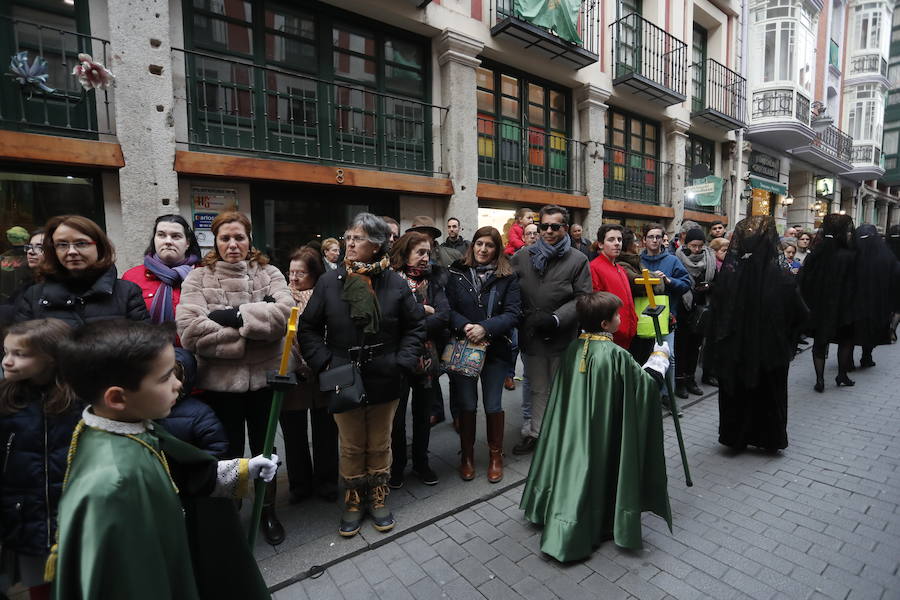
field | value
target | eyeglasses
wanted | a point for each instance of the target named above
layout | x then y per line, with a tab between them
356	239
553	226
653	237
38	248
80	245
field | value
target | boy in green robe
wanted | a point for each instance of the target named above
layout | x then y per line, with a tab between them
122	530
599	460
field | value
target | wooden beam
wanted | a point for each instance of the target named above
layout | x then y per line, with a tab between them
55	149
704	217
245	167
525	196
637	208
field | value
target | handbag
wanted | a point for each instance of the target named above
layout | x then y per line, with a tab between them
466	358
344	385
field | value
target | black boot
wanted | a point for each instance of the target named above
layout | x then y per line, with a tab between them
272	528
692	387
382	517
681	388
353	508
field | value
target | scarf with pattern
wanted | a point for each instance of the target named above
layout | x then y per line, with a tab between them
360	295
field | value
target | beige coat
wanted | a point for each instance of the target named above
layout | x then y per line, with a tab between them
229	359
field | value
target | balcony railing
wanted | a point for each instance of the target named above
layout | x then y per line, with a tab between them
867	154
635	177
723	94
62	107
236	106
529	156
775	103
834	55
835	142
868	63
657	60
550	29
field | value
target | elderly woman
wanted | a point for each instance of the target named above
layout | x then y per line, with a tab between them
233	315
411	258
171	255
305	406
365	312
80	283
483	292
331	253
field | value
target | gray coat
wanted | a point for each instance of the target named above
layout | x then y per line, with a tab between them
564	280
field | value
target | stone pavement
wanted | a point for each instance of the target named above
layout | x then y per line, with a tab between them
821	519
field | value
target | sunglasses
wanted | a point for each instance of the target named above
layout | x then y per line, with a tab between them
553	226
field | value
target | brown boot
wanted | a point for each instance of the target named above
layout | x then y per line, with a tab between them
495	443
467	445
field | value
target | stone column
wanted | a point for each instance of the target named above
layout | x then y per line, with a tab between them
883	208
868	210
141	61
676	142
459	135
592	115
801	185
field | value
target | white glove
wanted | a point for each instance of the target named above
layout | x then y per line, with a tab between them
263	468
659	359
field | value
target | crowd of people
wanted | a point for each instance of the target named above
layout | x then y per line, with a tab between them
393	310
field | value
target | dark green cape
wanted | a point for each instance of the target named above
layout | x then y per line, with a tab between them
599	461
124	534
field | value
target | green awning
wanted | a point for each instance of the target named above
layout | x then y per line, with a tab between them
768	185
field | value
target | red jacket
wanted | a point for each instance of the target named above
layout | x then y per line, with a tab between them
609	277
515	239
149	283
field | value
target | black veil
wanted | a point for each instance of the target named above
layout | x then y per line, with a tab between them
876	287
893	240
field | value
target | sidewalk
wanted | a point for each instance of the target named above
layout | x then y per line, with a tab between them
819	520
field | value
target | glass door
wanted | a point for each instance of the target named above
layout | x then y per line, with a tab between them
698	67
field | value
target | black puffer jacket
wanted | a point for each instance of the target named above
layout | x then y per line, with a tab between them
34	449
107	298
327	332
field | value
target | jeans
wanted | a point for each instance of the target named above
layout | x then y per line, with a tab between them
305	472
464	390
421	428
364	436
437	401
540	371
237	410
514	349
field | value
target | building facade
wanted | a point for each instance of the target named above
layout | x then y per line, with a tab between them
302	113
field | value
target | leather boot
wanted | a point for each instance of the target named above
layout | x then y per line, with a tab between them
272	528
382	517
495	422
353	509
467	445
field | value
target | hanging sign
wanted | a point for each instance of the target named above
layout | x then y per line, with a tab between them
206	204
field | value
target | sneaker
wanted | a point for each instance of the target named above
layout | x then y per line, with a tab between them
525	446
425	475
396	481
382	518
353	514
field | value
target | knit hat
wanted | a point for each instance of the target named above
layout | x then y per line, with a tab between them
17	236
693	235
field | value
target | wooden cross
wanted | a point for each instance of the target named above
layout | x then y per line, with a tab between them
648	283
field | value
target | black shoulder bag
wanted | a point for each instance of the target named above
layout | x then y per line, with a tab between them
344	384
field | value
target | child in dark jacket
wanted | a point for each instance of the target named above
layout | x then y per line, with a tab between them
37	417
192	420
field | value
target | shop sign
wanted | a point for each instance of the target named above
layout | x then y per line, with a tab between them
206	205
706	191
759	183
764	164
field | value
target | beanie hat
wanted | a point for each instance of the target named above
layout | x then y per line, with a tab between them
17	236
693	235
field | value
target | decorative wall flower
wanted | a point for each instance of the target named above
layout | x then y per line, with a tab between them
92	74
31	77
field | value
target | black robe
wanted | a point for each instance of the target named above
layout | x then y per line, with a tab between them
828	283
877	288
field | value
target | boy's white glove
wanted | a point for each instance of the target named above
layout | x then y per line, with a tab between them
263	468
659	359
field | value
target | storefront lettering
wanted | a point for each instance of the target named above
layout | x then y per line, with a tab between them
764	164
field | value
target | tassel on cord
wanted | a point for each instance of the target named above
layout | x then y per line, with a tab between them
50	567
584	351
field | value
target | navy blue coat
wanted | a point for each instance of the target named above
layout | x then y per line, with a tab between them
194	422
468	306
34	449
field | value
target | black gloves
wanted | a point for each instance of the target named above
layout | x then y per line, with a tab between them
544	323
268	298
227	317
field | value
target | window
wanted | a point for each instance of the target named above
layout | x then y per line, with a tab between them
631	169
700	151
698	69
865	112
894	75
867	26
626	7
782	34
890	142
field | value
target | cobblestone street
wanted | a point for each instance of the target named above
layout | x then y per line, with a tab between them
819	520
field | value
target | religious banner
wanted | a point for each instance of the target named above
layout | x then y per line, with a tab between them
558	16
707	191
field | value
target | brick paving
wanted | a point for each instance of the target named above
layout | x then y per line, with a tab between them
819	520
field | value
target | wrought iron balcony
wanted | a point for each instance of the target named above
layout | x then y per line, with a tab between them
779	118
49	98
648	60
635	177
551	31
720	95
528	156
867	162
831	149
868	64
235	106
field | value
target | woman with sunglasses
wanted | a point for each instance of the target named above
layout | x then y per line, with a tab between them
80	282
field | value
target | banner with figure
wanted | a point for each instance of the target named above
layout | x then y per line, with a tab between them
558	16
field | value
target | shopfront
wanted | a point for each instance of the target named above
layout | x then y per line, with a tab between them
766	191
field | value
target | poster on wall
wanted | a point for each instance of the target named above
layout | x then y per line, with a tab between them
206	205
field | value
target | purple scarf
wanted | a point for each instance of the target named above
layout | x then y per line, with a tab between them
162	309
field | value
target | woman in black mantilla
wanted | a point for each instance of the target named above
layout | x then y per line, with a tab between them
828	284
756	312
877	278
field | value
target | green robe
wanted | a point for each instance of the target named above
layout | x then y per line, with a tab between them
123	532
599	461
